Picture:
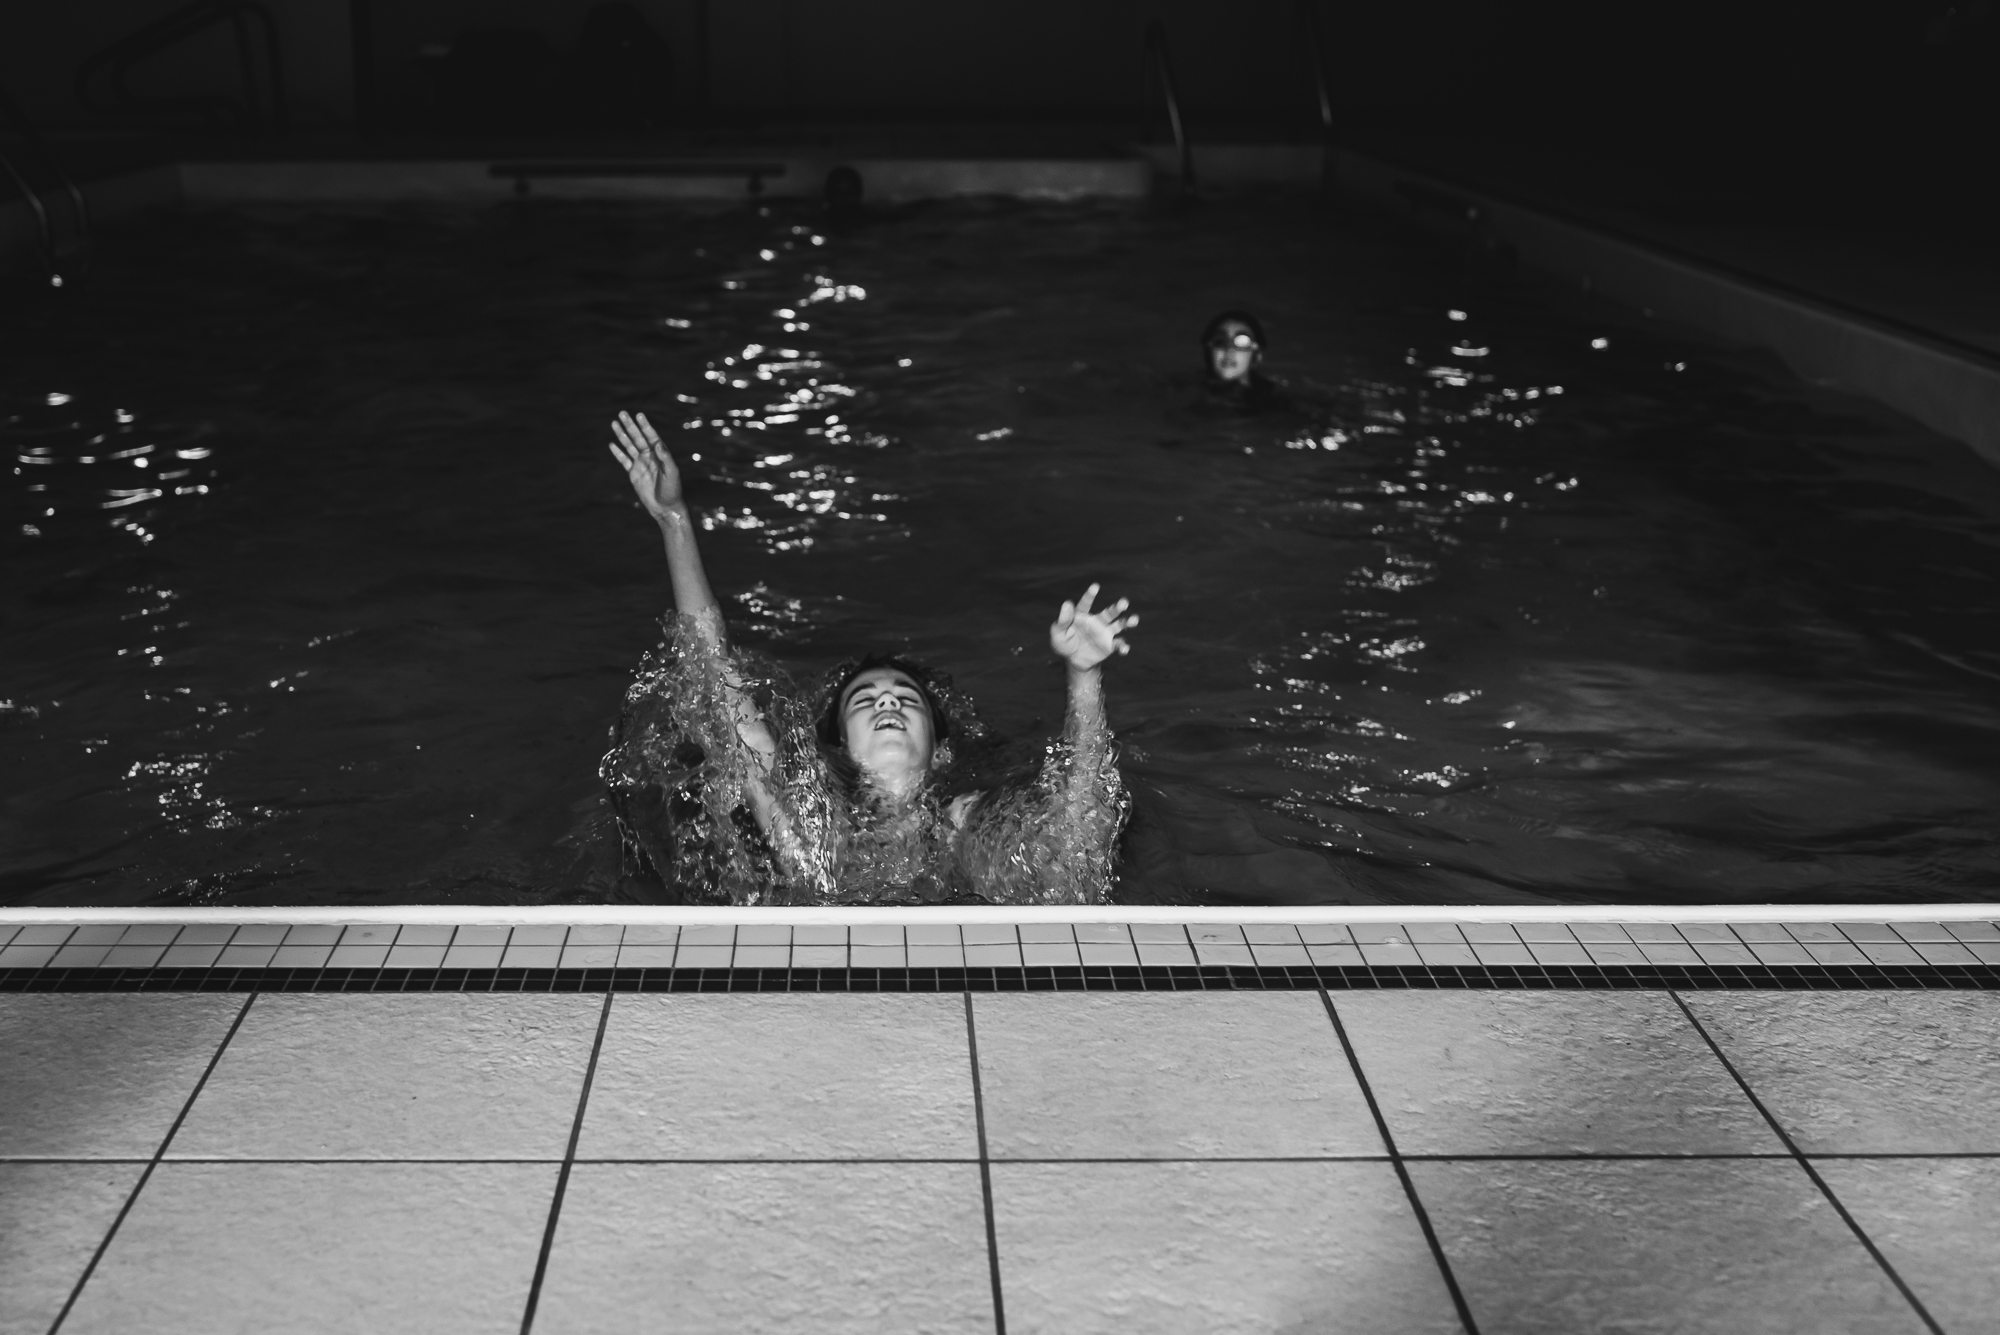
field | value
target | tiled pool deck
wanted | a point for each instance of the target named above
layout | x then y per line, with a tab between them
876	1125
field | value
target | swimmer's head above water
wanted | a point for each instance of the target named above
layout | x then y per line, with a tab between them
886	714
1233	346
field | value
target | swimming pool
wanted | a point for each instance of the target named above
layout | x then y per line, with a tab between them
324	591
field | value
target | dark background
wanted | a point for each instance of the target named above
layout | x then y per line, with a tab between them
1863	92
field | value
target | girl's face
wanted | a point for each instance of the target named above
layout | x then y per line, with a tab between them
1233	352
888	727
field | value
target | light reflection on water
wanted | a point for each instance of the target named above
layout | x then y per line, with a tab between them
339	595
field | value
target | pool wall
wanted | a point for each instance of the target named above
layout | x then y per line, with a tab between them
1950	387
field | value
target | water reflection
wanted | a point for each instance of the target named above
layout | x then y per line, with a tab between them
71	461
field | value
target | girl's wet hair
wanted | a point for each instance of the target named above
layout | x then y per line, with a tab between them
1234	317
931	684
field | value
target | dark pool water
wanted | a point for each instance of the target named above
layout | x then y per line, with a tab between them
352	629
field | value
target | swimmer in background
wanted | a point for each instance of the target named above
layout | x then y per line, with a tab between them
734	789
1232	349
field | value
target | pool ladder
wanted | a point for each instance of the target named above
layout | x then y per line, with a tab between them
1157	65
18	120
1157	68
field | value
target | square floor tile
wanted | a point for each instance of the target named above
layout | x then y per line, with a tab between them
1213	1248
1705	1247
783	1076
1547	1073
1938	1222
1162	1075
730	1249
52	1216
102	1075
427	1249
410	1075
1868	1072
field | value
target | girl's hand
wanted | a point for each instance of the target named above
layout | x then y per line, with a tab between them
647	464
1083	638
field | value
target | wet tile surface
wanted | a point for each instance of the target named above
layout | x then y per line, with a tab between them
1868	1072
52	1216
1167	1075
1547	1073
428	1249
1715	1247
725	1248
1213	1248
693	1076
427	1076
1938	1222
101	1076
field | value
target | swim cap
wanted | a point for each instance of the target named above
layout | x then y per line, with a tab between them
1234	317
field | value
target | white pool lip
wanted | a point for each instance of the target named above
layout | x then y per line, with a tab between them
684	914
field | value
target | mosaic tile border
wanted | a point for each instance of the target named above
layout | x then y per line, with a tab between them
1105	978
1430	946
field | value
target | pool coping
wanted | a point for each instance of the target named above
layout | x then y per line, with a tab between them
697	914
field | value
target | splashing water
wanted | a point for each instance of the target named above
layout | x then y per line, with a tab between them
677	778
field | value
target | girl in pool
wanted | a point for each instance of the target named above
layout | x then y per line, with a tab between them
732	788
1232	350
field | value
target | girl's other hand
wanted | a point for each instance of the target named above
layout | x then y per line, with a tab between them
1083	638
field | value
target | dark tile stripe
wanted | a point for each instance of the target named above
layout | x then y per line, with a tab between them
1089	978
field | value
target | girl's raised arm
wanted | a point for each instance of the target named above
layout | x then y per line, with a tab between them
657	480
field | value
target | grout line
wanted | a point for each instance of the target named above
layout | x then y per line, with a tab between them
1519	1157
146	1174
1804	1163
562	1174
985	1170
1402	1170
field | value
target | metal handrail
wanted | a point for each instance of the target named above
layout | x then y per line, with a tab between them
176	27
1315	43
11	110
1157	62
